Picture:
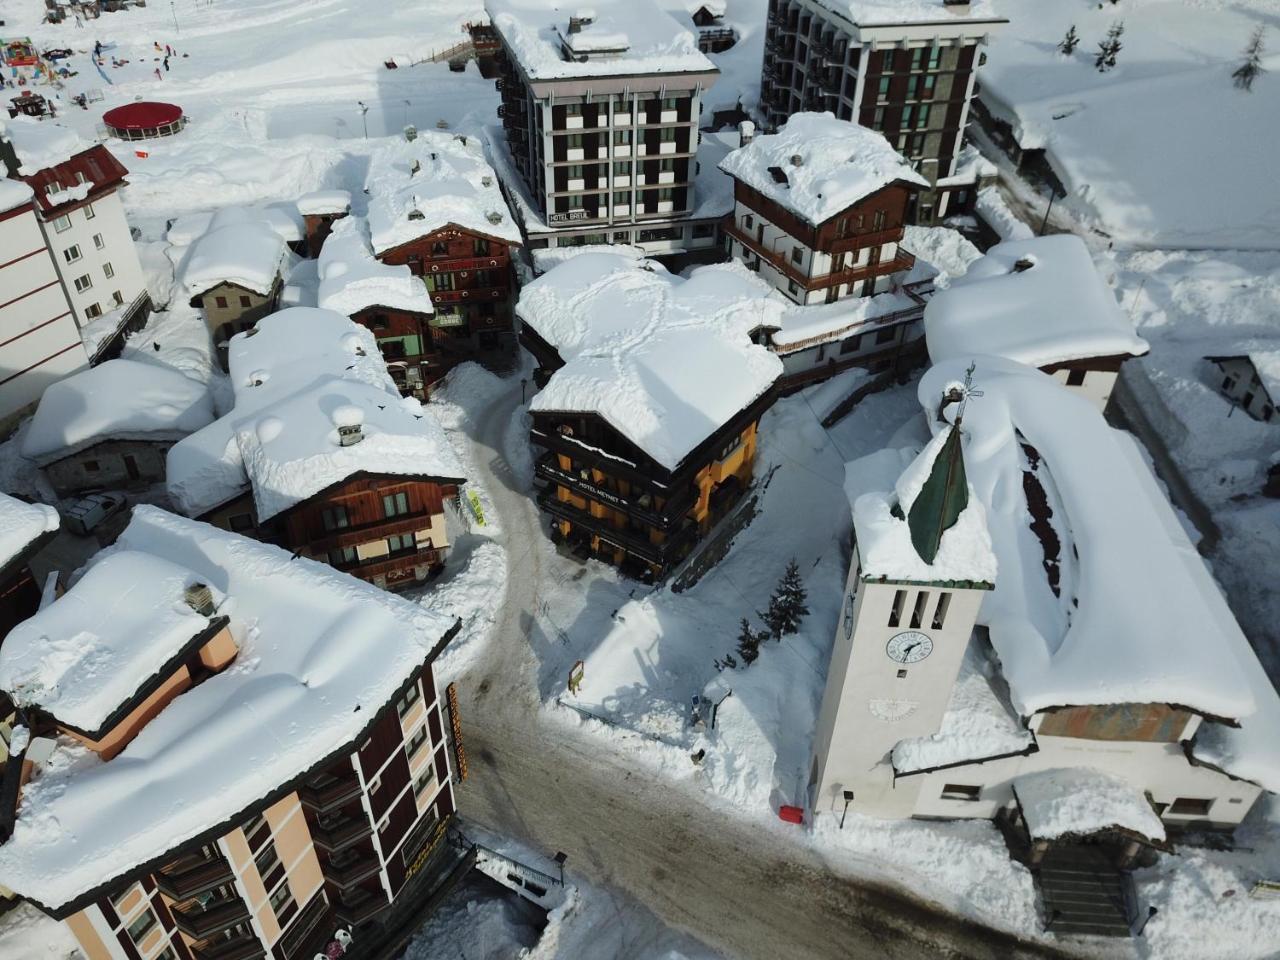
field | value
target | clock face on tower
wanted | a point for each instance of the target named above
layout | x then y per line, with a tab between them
910	646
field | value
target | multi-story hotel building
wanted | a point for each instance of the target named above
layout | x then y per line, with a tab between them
321	454
76	186
648	433
39	340
906	70
600	112
274	774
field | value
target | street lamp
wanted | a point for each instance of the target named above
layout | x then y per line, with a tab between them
560	858
1053	195
364	112
174	10
524	383
848	799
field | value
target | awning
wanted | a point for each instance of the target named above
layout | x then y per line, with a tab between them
1079	802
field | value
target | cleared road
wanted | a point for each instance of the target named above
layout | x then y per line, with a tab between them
737	888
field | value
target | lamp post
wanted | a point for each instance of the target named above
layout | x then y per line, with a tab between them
174	10
364	113
1053	195
1151	912
524	383
848	799
560	858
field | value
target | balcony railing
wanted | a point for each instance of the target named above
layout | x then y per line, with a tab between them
201	922
629	540
188	878
668	517
330	795
352	872
342	833
901	261
303	928
359	907
236	948
861	240
470	295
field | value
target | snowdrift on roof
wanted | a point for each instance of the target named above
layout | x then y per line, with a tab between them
21	524
351	279
40	144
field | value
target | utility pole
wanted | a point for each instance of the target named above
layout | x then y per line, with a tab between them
174	10
364	113
1053	195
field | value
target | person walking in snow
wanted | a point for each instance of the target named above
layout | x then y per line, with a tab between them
168	51
166	64
158	77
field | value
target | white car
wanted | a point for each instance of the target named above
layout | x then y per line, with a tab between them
82	516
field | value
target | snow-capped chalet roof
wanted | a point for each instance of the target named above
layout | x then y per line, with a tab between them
295	376
87	653
21	525
245	246
116	400
415	187
320	652
1038	301
625	37
351	279
665	360
1080	802
839	164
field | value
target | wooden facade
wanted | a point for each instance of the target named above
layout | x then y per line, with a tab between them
408	344
472	283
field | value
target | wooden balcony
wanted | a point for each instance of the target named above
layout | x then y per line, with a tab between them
360	906
632	541
305	930
329	795
669	517
341	833
236	948
901	261
874	239
203	921
470	295
378	529
350	873
192	876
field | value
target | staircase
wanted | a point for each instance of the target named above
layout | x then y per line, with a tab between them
1084	893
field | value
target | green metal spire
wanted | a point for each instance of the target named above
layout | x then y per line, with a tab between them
941	500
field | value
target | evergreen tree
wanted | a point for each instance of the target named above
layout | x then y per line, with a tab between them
1070	41
749	642
1252	68
787	605
1109	47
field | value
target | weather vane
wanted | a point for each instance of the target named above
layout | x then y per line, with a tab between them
961	394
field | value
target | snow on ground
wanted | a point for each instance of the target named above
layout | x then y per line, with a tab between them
1163	149
27	934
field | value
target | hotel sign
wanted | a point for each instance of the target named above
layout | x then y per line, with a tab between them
568	217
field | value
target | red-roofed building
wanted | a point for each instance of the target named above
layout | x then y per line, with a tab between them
77	203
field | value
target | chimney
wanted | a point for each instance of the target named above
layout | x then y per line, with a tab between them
411	133
797	160
1023	264
200	599
746	132
350	423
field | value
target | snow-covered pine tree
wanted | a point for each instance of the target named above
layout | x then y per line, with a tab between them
1252	68
749	642
1070	41
787	605
1114	45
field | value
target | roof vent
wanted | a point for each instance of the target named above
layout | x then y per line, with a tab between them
1023	264
417	215
778	175
486	181
582	18
200	599
410	133
494	217
797	160
349	420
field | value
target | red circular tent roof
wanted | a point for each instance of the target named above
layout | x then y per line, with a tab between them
142	115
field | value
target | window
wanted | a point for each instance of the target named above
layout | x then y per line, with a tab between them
1189	807
882	93
343	556
851	345
244	300
220	302
395	504
922	116
935	57
917	58
335	518
281	899
439	249
424	781
797	254
902	674
109	270
401	543
479	247
729	447
895	613
885	335
92	311
416	741
267	859
573	141
622	137
142	925
886	61
62	224
908	115
117	297
1075	378
940	611
83	283
405	703
89	212
91	466
748	222
960	791
877	119
98	242
917	611
72	253
121	897
792	288
240	522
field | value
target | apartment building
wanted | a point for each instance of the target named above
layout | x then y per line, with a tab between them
78	207
39	339
630	474
600	113
321	454
294	750
906	70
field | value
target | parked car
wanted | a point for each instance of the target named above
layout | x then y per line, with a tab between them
84	515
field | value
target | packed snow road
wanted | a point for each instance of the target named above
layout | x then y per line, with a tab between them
741	890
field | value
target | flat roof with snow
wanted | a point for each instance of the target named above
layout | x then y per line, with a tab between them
817	166
116	400
1039	301
869	13
417	187
1081	802
623	37
665	360
320	653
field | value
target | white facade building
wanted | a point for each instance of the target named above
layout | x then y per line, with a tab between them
39	342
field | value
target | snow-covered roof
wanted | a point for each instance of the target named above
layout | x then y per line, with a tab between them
1137	617
665	360
351	279
295	376
324	202
40	144
805	326
1038	301
299	690
887	483
637	36
1080	801
978	724
840	163
875	12
22	524
417	186
116	400
1267	364
245	246
13	193
86	654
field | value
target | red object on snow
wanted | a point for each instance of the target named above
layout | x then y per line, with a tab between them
144	120
791	814
141	154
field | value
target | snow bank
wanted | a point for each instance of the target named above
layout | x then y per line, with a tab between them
21	524
351	279
40	144
1038	301
85	655
321	202
1080	802
826	165
665	360
116	400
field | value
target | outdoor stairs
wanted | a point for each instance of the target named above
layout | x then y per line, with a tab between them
1084	893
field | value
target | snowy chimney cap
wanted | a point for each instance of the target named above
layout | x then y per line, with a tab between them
797	160
348	415
746	132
